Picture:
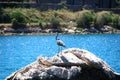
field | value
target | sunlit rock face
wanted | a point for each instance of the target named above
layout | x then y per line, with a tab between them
70	64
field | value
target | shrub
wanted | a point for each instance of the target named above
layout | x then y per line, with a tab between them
103	18
14	21
16	25
85	18
55	22
115	20
18	20
118	18
1	11
119	23
4	17
65	15
19	17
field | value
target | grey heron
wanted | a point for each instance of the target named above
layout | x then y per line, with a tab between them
60	43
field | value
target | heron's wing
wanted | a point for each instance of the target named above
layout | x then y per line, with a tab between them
60	43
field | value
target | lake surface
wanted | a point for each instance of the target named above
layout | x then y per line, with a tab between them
18	51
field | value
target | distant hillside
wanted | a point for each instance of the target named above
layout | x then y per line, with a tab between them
32	20
74	5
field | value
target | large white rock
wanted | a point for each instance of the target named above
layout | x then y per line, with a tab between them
70	64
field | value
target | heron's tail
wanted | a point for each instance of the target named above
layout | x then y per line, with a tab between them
64	46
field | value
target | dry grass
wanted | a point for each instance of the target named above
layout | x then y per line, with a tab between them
35	17
103	17
6	25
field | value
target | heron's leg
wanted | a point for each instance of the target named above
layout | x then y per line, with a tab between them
61	50
58	49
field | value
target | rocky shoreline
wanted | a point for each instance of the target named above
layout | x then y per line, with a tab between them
51	31
69	64
36	30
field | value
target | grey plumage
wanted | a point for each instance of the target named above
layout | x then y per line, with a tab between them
59	42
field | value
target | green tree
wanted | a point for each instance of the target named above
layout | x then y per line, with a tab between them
103	18
18	20
115	20
85	18
55	22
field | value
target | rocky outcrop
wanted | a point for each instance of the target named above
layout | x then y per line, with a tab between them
70	64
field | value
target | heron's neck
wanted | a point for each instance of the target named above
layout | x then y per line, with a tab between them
57	37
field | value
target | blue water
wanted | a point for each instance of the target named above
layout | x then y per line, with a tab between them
18	51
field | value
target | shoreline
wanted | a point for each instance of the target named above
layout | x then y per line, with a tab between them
8	31
40	33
